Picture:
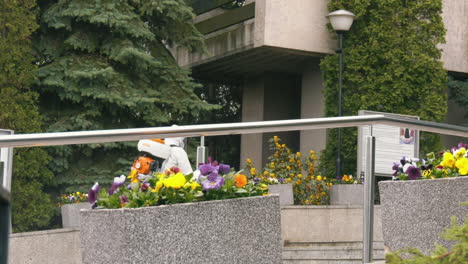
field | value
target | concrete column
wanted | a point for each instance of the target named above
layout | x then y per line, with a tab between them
252	110
282	102
455	116
312	106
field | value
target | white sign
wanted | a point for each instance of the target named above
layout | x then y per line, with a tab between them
391	144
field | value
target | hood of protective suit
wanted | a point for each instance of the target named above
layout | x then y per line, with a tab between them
177	141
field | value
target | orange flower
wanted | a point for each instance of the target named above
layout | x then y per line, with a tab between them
240	180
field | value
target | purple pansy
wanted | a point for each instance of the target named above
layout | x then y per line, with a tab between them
144	186
206	169
118	181
224	169
413	172
256	180
123	199
395	167
92	194
214	184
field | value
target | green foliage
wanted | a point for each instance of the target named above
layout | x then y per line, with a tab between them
285	166
105	65
32	208
440	255
391	64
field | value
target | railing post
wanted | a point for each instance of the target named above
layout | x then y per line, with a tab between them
368	210
6	156
201	152
5	224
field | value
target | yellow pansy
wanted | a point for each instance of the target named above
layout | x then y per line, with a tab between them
195	185
175	182
158	186
460	153
448	160
462	165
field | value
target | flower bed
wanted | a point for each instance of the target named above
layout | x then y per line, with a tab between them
416	211
346	194
71	214
285	192
70	206
174	218
244	230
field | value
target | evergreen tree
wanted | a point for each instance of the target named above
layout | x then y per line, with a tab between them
391	64
32	208
106	64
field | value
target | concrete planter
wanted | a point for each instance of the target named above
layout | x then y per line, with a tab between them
245	230
414	213
347	194
71	214
285	192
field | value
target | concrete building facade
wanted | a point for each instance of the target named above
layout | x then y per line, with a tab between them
273	48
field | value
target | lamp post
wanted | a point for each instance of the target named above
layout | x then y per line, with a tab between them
341	21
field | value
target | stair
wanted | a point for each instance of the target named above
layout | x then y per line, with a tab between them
328	252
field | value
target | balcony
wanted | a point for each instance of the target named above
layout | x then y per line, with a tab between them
283	36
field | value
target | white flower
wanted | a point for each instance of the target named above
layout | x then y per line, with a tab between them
407	165
273	180
120	180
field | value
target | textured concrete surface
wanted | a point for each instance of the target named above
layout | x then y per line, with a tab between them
285	192
455	50
243	230
326	223
414	213
55	246
71	214
347	194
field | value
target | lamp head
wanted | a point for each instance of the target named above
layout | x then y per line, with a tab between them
341	20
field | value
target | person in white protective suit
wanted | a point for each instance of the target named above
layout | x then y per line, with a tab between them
177	157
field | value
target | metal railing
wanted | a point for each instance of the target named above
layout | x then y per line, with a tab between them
117	135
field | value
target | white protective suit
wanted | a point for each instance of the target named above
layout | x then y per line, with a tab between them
178	157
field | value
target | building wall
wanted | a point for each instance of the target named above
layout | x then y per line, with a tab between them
252	110
455	50
295	24
271	96
312	106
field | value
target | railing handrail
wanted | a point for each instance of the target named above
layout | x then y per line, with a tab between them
130	134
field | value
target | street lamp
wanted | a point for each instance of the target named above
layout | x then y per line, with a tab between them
341	21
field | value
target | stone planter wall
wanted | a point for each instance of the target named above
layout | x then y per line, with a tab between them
347	194
245	230
71	214
414	213
285	192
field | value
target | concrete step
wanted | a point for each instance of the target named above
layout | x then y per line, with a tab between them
328	252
